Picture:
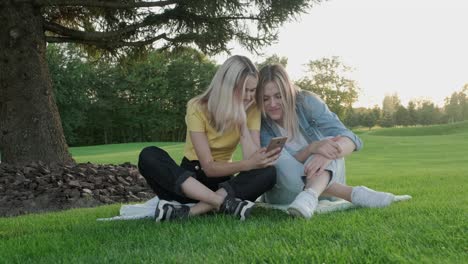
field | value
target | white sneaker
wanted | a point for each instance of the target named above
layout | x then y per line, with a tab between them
304	205
366	197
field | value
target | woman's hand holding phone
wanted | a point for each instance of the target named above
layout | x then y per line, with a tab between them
262	159
265	157
276	142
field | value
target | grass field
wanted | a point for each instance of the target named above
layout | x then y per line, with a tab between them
429	163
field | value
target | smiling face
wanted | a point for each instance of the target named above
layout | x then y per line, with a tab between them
272	102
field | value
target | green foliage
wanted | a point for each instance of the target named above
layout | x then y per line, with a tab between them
141	99
390	104
273	59
456	106
412	113
122	25
402	116
430	228
74	81
418	112
428	113
371	117
365	117
326	77
189	74
387	120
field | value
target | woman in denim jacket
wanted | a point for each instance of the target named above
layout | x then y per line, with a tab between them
312	162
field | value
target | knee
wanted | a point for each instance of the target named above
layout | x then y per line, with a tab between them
150	155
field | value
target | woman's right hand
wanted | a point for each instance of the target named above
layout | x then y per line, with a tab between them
328	148
262	159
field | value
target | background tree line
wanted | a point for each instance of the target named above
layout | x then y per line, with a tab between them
144	98
327	77
129	100
417	112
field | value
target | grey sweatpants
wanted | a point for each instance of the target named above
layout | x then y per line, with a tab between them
288	178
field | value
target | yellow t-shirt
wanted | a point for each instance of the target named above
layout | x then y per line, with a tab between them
222	146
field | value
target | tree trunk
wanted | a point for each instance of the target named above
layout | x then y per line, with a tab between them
30	126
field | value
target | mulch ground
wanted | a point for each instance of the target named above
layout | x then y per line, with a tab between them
38	187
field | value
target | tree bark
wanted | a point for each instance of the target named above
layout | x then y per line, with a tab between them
30	126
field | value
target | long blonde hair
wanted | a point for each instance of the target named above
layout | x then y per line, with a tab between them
219	101
278	75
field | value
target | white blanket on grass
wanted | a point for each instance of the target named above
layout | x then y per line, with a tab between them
146	210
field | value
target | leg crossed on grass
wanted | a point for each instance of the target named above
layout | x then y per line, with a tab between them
188	184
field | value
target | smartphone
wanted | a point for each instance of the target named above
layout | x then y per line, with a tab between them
276	142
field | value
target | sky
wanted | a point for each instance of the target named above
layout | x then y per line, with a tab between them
417	49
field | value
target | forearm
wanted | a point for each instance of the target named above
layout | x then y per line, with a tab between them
347	145
248	144
304	154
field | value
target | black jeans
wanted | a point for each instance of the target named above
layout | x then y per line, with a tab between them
165	177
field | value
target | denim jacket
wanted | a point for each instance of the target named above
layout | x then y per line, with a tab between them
316	122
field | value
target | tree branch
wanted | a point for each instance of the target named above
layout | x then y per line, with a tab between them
191	27
98	3
103	43
64	31
68	32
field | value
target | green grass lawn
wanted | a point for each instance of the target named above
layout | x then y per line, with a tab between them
427	163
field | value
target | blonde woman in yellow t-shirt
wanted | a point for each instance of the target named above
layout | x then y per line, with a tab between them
217	121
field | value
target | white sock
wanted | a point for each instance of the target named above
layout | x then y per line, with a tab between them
312	192
366	197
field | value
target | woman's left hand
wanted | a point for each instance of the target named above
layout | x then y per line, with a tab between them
246	106
316	166
329	148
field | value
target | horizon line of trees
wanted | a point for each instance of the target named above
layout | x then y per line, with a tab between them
144	98
417	112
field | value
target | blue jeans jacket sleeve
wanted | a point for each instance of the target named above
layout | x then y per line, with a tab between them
327	122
